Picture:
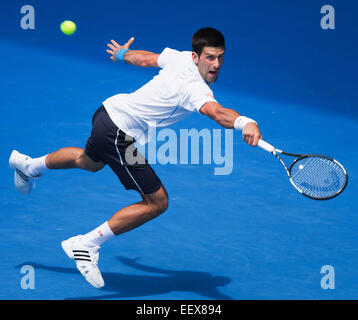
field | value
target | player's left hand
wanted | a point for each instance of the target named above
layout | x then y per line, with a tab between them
114	47
251	134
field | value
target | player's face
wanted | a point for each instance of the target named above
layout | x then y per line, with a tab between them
209	63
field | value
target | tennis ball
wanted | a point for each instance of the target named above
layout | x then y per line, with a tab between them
68	27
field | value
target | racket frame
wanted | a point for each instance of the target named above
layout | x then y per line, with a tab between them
318	156
271	149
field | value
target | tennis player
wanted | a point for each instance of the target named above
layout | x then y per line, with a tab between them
181	87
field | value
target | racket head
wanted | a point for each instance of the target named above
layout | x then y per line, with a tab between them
318	177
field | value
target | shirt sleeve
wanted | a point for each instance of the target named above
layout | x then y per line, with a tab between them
167	56
197	95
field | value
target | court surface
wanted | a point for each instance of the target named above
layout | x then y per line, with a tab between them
246	235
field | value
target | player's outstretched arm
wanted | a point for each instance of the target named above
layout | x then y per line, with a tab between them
138	58
229	118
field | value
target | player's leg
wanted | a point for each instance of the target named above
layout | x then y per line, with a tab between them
128	218
65	158
84	249
132	216
118	150
26	168
72	157
112	146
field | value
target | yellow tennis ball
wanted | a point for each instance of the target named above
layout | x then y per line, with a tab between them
68	27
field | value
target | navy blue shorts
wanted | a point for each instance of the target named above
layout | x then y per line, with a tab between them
112	146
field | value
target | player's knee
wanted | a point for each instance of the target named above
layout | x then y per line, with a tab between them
86	163
157	202
163	205
160	205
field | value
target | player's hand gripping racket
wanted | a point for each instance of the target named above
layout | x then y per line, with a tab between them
315	176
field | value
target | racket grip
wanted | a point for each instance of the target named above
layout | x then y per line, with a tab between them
266	146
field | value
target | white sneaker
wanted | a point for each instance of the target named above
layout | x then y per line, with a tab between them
23	181
86	259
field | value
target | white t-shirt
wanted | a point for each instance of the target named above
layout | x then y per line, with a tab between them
176	92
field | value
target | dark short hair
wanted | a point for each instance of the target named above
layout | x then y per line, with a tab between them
207	37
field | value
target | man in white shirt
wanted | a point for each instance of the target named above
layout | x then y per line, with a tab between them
180	88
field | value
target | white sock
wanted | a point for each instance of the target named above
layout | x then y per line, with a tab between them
98	236
37	166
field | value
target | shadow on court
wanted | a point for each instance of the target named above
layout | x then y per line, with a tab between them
130	286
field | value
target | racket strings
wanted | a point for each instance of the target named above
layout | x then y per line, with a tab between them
318	177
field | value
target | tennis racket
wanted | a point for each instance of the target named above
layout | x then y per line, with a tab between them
315	176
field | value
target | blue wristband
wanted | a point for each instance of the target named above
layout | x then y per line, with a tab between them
120	54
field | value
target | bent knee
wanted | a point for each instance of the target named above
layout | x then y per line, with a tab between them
86	163
159	206
159	203
163	205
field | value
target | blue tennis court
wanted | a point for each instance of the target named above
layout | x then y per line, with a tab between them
243	235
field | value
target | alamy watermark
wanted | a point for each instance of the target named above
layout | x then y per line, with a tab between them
328	20
188	146
28	280
28	19
328	280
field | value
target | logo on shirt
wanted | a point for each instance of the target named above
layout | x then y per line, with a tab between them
209	95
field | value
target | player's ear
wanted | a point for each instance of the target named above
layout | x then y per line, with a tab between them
195	57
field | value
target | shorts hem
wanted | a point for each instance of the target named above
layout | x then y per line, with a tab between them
91	157
150	191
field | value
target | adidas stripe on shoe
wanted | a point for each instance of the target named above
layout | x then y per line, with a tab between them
86	259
